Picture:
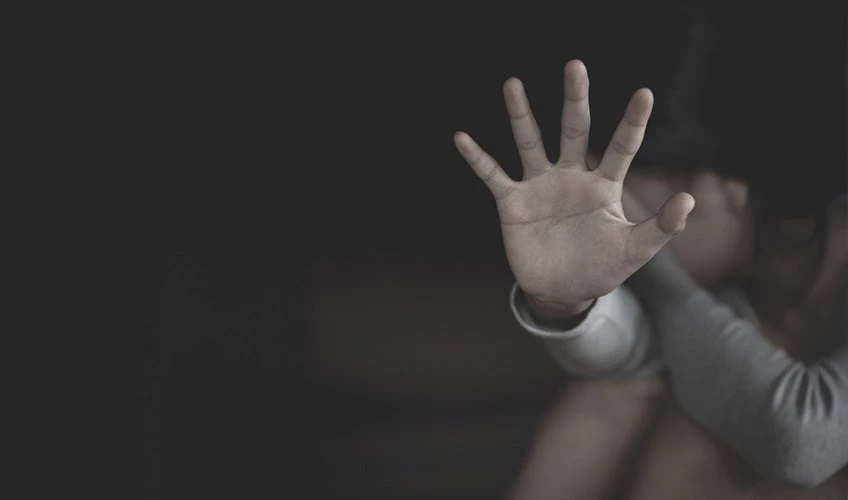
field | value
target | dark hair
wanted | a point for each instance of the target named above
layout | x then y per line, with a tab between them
761	99
678	137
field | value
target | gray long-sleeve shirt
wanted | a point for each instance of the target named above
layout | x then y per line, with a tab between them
786	418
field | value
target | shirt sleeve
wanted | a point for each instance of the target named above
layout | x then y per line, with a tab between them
613	341
787	419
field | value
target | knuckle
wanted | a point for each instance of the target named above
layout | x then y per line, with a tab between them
493	171
520	115
527	145
478	160
623	148
633	123
574	132
570	163
502	192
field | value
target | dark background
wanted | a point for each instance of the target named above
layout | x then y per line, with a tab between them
322	274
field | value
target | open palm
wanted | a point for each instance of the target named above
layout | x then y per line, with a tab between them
566	235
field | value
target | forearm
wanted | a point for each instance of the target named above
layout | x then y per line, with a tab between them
611	339
789	420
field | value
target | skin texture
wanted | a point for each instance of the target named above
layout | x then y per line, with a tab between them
718	241
568	206
588	446
603	228
661	453
682	460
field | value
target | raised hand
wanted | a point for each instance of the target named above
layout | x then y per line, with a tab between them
566	235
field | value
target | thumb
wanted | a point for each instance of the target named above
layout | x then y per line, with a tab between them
649	236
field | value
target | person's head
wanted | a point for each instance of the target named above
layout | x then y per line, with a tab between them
718	240
750	121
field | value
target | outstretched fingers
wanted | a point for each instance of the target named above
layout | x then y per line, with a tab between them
575	115
627	137
525	130
498	182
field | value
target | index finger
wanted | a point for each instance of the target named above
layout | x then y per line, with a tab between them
627	137
486	168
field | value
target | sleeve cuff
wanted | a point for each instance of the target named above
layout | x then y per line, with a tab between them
613	341
521	312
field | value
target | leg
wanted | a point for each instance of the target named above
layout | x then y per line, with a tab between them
682	460
587	442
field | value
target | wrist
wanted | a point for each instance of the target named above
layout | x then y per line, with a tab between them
555	312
